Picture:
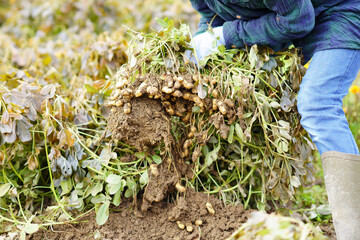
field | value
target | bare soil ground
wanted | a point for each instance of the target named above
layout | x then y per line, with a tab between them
159	222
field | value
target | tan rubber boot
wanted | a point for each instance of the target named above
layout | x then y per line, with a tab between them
342	180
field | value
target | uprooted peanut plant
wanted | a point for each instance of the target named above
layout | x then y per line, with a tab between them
233	121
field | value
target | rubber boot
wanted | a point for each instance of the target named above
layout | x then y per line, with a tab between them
342	180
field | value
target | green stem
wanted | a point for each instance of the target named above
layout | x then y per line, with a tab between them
52	186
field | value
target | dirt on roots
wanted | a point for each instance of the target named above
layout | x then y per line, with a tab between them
145	127
161	221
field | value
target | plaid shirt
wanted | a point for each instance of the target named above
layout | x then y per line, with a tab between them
311	24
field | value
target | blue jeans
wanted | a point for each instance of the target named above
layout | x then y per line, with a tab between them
319	102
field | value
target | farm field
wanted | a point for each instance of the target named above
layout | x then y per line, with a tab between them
108	131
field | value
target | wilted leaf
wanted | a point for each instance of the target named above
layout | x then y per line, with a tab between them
15	97
295	181
54	153
274	83
253	58
98	84
106	155
73	161
79	151
22	130
64	166
169	63
285	134
65	138
69	138
82	118
132	61
32	162
6	128
286	101
10	137
5	118
48	90
269	65
2	157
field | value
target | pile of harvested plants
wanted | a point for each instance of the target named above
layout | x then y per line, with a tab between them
233	121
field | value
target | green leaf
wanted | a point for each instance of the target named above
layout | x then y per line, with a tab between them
221	48
324	210
90	88
102	214
66	186
212	156
22	235
231	134
31	228
140	155
253	57
144	179
239	132
129	193
113	179
288	63
247	115
96	189
100	198
130	183
116	183
196	109
117	198
4	188
156	159
132	61
162	22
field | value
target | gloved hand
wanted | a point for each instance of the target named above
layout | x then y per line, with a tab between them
205	44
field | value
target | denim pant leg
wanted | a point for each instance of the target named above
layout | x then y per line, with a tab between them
325	84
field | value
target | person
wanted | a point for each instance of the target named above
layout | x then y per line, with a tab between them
328	32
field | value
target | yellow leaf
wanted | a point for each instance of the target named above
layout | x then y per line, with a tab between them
69	138
99	84
46	60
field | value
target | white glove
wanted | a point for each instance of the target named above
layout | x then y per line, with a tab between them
205	44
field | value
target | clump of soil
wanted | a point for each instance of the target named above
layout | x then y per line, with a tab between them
160	222
145	127
160	184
